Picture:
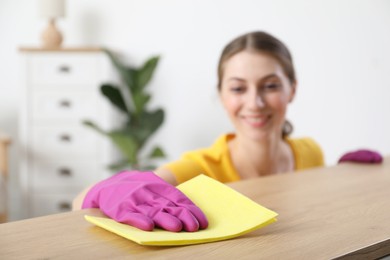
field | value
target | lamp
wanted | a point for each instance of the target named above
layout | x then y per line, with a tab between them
51	9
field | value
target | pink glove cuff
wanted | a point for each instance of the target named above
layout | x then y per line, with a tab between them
92	197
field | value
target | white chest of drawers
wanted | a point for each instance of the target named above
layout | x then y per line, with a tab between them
58	155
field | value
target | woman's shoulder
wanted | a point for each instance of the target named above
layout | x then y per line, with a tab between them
203	160
307	152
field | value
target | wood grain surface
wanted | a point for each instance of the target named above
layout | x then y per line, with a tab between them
325	213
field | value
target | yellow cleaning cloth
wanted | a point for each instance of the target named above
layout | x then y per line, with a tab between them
230	214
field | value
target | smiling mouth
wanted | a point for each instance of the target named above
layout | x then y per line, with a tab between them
256	121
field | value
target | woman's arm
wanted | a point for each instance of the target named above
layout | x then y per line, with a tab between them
162	172
78	201
166	175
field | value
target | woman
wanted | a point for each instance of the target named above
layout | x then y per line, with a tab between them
256	82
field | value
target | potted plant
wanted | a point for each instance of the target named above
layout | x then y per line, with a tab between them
130	98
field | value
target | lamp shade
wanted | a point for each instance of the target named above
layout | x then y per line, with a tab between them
51	8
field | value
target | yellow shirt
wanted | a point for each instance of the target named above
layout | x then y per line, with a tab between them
216	163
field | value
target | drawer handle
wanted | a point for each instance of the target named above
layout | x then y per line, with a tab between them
64	205
65	138
65	103
65	172
64	69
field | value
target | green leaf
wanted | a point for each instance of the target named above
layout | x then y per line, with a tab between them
148	167
114	94
146	72
140	101
147	124
126	144
124	72
94	126
152	120
119	166
133	74
157	152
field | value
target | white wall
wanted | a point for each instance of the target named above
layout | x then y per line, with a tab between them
341	51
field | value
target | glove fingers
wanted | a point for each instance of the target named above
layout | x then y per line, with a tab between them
189	214
199	215
182	201
135	219
190	223
195	211
167	221
161	218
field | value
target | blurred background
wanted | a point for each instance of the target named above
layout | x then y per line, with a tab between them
340	48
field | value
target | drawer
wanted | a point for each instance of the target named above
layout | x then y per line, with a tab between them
56	70
65	173
50	203
75	106
65	142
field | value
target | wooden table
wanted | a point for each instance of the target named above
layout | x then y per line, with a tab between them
341	211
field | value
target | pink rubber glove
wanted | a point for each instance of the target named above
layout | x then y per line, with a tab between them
362	156
144	200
